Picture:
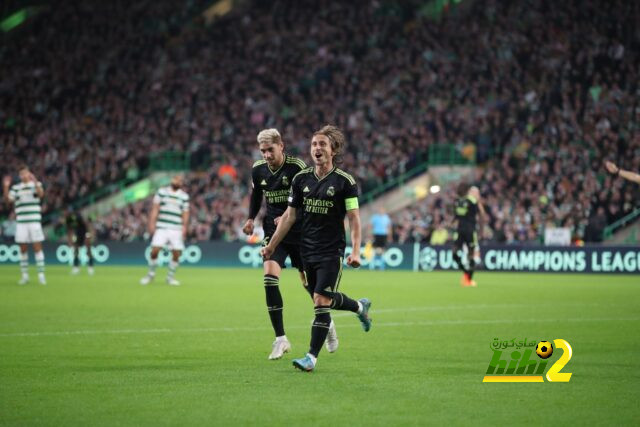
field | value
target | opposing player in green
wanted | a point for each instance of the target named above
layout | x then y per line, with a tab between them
26	197
323	195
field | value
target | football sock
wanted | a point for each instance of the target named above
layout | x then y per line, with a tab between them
152	266
274	303
40	261
173	266
472	264
24	264
458	261
319	329
90	255
343	302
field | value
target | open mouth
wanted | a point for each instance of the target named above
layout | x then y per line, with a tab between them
318	155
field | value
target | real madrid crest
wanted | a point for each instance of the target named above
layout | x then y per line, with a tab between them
285	180
331	191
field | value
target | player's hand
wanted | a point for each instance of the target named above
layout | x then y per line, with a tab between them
611	167
32	177
354	261
277	220
248	227
6	181
266	252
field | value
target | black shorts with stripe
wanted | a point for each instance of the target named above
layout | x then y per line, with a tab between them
468	237
284	250
324	276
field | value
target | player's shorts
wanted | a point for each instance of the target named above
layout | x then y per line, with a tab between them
324	277
380	241
466	237
29	232
79	238
283	250
170	238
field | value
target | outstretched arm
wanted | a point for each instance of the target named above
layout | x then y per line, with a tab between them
628	175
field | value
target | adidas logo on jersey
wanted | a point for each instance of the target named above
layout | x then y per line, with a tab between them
263	182
306	190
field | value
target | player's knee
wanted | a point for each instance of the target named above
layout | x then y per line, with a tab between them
176	255
321	300
154	252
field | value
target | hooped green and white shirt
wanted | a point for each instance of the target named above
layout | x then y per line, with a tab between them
172	205
26	202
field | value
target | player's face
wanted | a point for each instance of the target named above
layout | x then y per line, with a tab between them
176	182
273	154
321	150
24	175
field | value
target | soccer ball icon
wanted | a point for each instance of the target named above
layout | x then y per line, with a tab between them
544	349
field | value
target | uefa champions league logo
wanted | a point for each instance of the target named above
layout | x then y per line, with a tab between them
428	259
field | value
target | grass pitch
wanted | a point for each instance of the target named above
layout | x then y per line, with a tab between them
104	350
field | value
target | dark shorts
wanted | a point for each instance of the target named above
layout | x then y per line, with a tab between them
283	251
380	241
324	277
80	237
466	237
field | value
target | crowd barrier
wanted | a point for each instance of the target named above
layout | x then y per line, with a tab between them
416	257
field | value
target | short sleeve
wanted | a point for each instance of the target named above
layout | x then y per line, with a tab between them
156	198
185	204
12	194
295	194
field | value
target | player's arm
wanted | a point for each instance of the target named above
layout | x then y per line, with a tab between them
39	189
153	216
284	225
628	175
353	216
185	222
6	184
483	218
255	202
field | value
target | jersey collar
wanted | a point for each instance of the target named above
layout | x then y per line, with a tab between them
320	179
284	160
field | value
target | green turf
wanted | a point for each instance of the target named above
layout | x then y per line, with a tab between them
107	351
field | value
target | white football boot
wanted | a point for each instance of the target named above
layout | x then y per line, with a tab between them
146	279
172	281
332	338
279	348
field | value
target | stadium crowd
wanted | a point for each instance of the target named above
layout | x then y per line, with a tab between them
543	91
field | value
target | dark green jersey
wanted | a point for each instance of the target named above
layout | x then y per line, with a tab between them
275	187
323	204
466	211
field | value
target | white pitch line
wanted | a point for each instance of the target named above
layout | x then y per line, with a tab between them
459	307
350	325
